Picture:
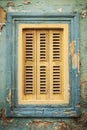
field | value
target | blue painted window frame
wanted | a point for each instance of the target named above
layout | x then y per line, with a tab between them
13	109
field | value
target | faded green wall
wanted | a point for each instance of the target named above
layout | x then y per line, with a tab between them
46	6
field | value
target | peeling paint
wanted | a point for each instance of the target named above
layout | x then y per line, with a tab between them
82	121
75	56
26	11
83	83
83	13
10	4
2	18
10	9
1	26
60	9
5	120
8	99
83	118
69	112
78	105
26	2
63	126
40	123
72	48
74	60
56	112
78	60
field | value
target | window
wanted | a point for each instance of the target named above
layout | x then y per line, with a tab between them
42	74
43	64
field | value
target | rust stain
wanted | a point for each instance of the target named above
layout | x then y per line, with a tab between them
40	123
2	18
75	56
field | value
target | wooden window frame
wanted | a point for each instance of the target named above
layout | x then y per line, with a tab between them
13	108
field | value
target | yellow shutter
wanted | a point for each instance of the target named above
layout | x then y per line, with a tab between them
42	65
56	61
29	38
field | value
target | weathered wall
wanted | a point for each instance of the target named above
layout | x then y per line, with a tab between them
45	6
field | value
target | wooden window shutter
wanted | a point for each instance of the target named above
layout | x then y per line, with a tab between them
44	65
29	61
56	63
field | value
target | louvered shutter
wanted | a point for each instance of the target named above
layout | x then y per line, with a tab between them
29	41
42	65
56	64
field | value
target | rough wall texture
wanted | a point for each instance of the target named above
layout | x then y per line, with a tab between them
45	6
